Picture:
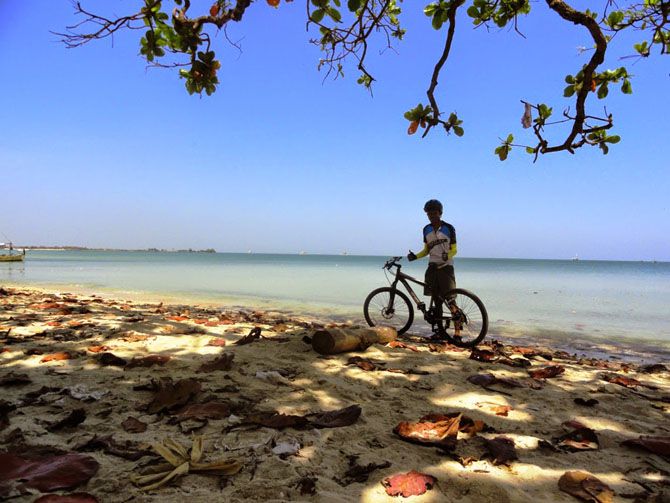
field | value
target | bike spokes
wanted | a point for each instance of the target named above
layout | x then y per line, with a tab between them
465	321
381	311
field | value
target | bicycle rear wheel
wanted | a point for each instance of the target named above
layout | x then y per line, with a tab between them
464	321
388	307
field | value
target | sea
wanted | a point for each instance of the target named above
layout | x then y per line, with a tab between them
617	309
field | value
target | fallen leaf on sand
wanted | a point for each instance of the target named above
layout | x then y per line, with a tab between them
277	421
172	394
49	473
132	425
586	403
97	349
111	360
581	439
483	380
362	363
13	379
306	485
75	418
408	484
181	462
359	473
208	410
496	408
253	335
67	498
177	318
402	345
585	486
656	445
148	361
437	430
126	450
223	362
501	450
626	382
547	372
217	341
336	418
55	357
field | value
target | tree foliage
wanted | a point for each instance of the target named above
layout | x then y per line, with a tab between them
174	35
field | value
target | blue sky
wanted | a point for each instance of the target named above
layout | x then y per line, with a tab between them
98	150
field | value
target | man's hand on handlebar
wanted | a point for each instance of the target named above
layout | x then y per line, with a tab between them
411	256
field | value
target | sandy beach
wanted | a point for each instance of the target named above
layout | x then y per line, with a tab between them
149	401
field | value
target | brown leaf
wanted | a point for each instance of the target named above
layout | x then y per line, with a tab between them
98	349
55	357
626	382
222	362
49	473
148	361
67	498
483	380
107	444
438	430
585	486
336	418
483	355
408	484
502	450
277	421
586	403
547	372
110	359
581	439
177	318
132	425
75	418
208	410
402	345
135	337
171	395
217	341
12	379
253	335
359	473
362	363
656	445
496	408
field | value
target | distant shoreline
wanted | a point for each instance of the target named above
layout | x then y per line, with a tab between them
84	248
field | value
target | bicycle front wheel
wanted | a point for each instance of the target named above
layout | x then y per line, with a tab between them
464	320
388	307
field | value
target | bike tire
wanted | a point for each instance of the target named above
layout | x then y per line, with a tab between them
476	324
375	309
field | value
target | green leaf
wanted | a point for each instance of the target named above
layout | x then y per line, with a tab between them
569	79
603	90
317	15
334	14
473	12
510	138
530	150
458	130
569	91
437	20
613	139
354	5
626	88
430	9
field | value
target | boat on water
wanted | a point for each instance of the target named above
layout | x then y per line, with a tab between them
13	255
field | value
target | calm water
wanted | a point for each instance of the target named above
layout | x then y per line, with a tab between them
533	298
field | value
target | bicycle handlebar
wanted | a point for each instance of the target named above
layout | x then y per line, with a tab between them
393	261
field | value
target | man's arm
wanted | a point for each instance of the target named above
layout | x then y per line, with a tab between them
423	252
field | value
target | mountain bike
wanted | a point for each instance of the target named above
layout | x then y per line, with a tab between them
459	318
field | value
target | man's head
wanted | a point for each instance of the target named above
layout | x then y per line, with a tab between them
433	209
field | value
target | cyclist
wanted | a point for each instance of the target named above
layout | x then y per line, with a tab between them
439	240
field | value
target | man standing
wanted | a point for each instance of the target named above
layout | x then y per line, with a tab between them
439	240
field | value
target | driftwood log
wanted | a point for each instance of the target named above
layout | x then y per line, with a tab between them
340	340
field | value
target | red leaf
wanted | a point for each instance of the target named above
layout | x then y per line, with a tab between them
49	473
438	430
98	349
408	484
657	445
177	318
217	341
148	361
626	382
398	344
55	357
547	372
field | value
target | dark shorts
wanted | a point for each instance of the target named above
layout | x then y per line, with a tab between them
439	280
